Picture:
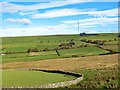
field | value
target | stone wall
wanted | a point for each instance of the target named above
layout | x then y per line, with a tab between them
79	77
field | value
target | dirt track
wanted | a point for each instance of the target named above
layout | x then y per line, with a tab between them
68	64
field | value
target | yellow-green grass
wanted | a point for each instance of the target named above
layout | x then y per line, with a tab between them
22	44
40	42
24	78
104	36
112	42
67	64
104	78
91	77
67	53
114	48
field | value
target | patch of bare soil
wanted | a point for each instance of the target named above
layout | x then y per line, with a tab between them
33	54
67	64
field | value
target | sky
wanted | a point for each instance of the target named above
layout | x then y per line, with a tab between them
53	17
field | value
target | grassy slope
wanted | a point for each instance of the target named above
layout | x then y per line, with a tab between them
31	78
93	78
52	54
41	42
99	78
114	48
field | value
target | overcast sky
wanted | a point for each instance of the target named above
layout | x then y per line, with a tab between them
58	17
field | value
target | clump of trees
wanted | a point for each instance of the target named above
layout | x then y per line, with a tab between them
74	55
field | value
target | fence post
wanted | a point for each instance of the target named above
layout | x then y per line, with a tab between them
57	53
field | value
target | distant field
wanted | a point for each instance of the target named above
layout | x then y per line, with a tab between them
41	42
22	44
22	78
114	48
85	51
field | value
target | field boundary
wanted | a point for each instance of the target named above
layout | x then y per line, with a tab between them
78	76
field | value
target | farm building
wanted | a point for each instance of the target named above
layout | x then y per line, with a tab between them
84	34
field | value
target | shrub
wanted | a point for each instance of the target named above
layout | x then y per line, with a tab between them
72	43
46	49
74	55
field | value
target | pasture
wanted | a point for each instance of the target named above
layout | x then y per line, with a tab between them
105	78
16	48
98	71
24	78
67	53
96	57
21	44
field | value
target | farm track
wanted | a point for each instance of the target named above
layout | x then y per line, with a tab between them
67	64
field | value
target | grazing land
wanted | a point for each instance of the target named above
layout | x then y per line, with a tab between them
22	78
105	78
94	56
16	48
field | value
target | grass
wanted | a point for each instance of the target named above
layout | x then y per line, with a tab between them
69	64
105	78
114	48
40	42
104	36
97	69
22	78
84	51
22	44
112	42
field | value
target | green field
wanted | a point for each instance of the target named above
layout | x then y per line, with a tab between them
18	47
114	48
81	53
92	50
22	78
12	44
